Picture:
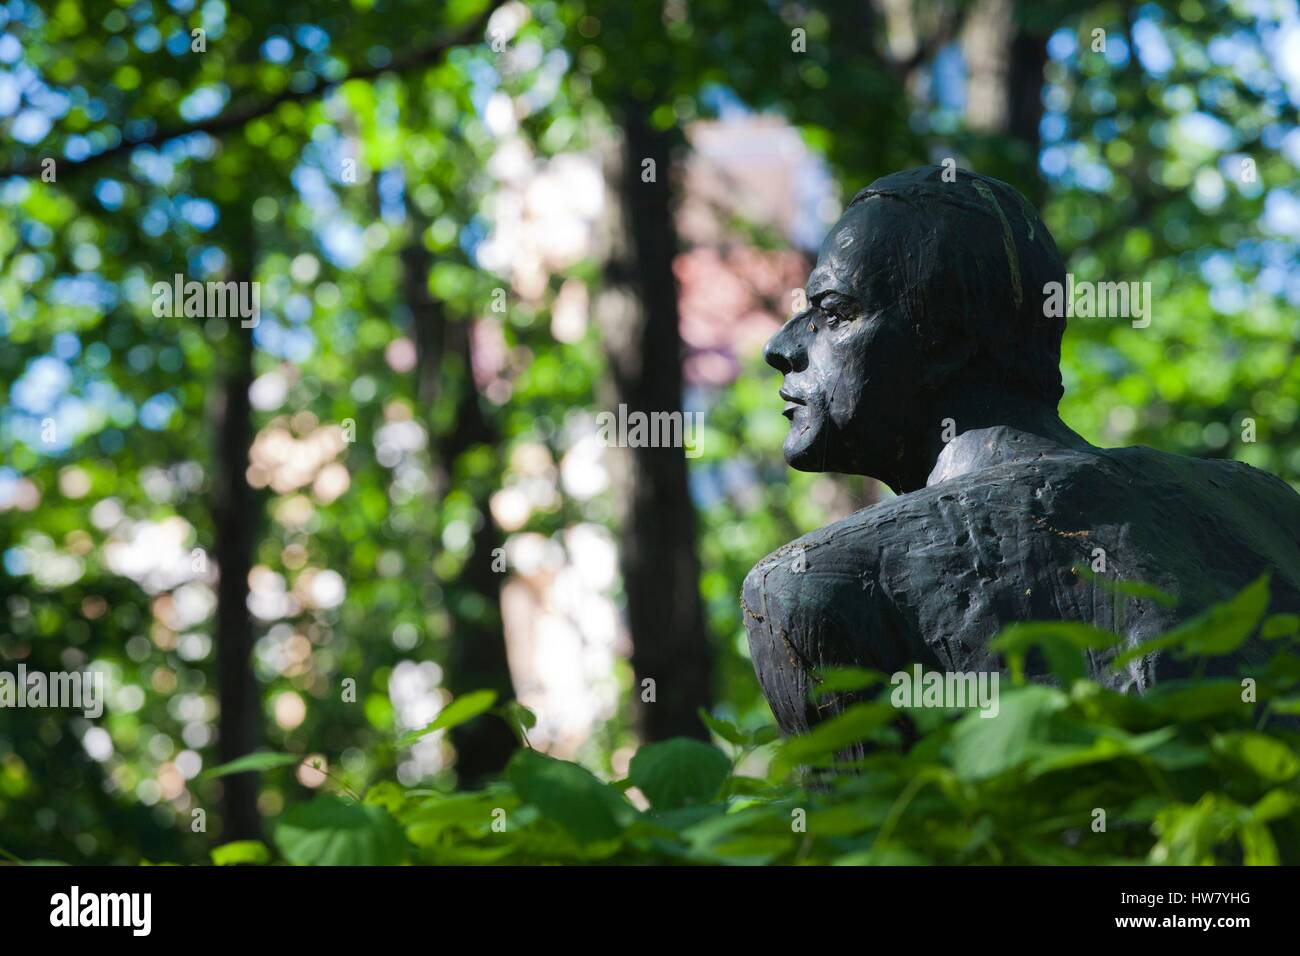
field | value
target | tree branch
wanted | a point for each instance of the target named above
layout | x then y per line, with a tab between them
235	119
951	24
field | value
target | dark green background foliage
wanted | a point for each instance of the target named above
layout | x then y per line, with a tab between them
228	164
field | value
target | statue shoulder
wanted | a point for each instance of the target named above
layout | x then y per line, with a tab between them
814	603
835	565
822	601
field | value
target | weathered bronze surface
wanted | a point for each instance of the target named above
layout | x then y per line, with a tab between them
926	360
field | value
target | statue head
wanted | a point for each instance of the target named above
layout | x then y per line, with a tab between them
923	291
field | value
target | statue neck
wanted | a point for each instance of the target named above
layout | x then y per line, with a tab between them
968	428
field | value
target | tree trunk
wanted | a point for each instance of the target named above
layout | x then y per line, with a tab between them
478	655
1005	46
637	311
479	661
1025	101
235	522
984	45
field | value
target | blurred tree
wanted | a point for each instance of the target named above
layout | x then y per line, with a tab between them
637	314
478	660
236	525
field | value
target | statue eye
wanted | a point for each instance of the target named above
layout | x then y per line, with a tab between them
836	308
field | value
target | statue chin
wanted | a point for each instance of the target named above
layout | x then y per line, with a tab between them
798	458
805	446
819	447
804	452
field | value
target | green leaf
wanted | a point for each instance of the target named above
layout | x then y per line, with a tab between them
472	854
1062	643
241	851
1258	846
1135	589
1220	630
858	722
254	762
745	786
1179	755
332	831
890	854
1188	835
1186	702
1102	705
1280	625
719	829
519	717
526	718
1269	758
464	708
1109	744
679	772
864	813
987	746
471	812
1274	805
723	728
570	795
751	849
389	795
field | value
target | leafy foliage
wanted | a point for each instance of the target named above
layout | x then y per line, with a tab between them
1198	771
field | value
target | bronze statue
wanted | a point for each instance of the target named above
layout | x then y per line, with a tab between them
929	359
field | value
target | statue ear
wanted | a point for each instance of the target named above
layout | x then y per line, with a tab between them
947	360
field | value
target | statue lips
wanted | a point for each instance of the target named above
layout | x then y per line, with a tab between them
792	403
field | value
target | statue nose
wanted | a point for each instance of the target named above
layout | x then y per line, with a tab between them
784	350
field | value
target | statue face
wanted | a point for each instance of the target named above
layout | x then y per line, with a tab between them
851	363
